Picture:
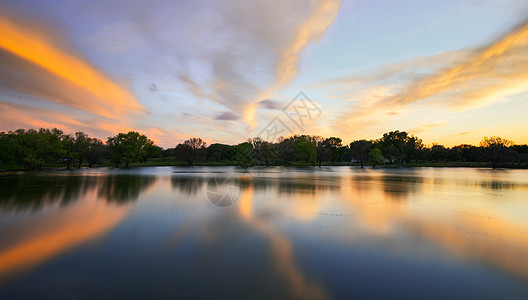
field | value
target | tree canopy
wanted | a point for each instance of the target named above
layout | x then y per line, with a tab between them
34	149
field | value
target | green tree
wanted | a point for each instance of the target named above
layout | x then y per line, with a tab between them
81	147
219	152
96	151
68	145
306	152
244	154
286	150
375	157
128	147
399	146
334	146
264	151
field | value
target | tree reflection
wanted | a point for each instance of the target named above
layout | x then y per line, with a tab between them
32	192
189	185
124	188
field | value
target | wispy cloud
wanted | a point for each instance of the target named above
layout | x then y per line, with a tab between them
227	116
457	80
32	63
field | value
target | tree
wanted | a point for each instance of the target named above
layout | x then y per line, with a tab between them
245	155
359	150
81	147
496	149
398	146
264	151
190	149
522	153
68	144
306	152
96	151
286	150
333	144
128	147
438	152
219	152
375	157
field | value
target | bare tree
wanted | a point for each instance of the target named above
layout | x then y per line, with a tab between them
496	149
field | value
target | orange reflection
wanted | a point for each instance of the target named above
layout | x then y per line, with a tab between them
282	251
58	232
475	234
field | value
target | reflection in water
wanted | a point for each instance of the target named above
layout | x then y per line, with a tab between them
41	239
123	188
302	234
188	185
33	192
282	251
79	216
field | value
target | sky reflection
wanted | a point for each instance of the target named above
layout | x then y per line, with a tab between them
292	233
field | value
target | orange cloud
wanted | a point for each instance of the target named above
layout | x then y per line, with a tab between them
460	80
76	82
501	68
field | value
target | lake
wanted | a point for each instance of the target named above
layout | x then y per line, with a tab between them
274	233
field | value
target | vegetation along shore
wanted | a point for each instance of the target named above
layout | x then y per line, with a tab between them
30	149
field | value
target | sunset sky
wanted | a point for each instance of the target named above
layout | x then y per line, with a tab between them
447	71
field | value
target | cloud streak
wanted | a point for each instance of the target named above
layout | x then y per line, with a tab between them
499	68
34	64
457	80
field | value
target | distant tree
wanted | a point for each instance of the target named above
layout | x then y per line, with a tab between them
334	144
286	150
190	149
81	147
306	152
128	147
245	155
496	149
219	152
375	157
470	153
69	153
359	150
264	151
399	146
438	152
96	151
521	153
154	151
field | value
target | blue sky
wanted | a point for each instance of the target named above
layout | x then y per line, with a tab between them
447	71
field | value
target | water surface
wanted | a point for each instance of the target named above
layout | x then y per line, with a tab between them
307	233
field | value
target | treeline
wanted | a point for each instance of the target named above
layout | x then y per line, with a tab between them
36	149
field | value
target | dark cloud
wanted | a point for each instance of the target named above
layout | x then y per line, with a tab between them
227	116
270	104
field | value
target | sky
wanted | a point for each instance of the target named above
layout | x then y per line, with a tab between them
449	72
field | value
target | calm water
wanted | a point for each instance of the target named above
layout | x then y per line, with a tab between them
329	233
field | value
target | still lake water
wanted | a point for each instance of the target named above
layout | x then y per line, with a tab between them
218	232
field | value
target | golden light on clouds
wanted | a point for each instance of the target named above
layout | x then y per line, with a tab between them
469	79
501	68
287	67
107	98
